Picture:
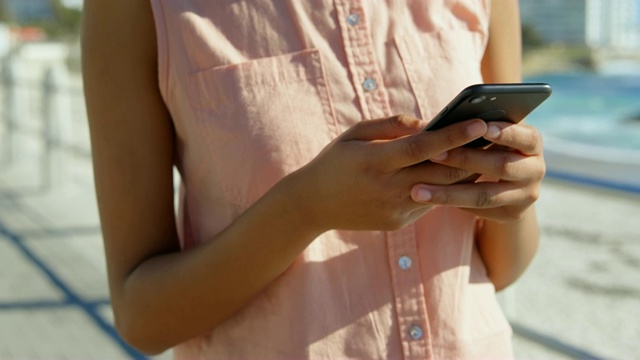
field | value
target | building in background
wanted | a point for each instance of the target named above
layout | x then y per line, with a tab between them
613	24
29	10
598	24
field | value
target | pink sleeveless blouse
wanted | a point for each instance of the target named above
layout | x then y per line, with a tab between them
256	89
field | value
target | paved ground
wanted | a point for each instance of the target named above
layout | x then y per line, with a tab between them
580	298
583	288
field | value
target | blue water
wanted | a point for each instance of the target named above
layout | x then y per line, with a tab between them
591	109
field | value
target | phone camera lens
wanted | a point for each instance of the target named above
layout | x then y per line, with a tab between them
477	100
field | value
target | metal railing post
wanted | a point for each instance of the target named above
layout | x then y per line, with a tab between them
15	106
56	115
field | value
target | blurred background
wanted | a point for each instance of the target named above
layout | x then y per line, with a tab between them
579	300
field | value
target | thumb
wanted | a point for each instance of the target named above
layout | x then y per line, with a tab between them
384	129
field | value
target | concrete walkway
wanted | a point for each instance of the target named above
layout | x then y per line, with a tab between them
53	291
580	298
583	288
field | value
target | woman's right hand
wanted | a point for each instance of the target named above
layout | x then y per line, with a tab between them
363	179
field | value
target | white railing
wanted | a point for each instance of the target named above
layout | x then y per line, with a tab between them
43	127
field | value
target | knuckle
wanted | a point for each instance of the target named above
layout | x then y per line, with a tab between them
509	137
448	138
533	195
505	165
415	149
533	140
484	200
465	159
402	121
454	174
445	198
396	121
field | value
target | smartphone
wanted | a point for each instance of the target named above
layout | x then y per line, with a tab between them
491	102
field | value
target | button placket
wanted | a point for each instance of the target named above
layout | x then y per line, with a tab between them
408	289
361	60
411	308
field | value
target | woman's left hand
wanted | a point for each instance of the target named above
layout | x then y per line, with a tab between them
511	174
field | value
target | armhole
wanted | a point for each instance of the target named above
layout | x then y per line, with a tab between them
163	47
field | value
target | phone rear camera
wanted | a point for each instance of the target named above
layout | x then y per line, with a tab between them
477	100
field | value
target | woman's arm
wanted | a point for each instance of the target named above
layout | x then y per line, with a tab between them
506	247
508	236
161	296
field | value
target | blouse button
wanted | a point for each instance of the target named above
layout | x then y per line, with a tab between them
353	19
404	262
415	332
369	84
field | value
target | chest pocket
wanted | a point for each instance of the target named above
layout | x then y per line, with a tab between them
439	64
262	119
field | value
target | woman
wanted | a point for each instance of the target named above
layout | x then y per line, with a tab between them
310	223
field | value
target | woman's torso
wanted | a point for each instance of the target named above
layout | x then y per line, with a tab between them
256	89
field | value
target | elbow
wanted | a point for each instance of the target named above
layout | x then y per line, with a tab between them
501	284
503	279
140	335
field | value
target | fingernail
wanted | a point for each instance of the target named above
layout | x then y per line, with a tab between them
422	195
440	157
476	128
492	132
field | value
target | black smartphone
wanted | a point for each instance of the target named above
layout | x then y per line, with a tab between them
491	102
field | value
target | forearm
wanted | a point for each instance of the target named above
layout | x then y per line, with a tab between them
507	248
170	298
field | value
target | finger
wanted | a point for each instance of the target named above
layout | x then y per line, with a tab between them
414	149
475	196
499	164
383	129
435	174
524	138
